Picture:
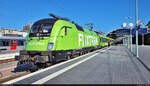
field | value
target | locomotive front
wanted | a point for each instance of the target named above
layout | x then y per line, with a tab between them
39	36
38	46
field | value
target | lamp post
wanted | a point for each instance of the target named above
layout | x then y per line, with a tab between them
137	51
127	39
131	24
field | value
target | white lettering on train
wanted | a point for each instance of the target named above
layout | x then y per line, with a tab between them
84	40
36	43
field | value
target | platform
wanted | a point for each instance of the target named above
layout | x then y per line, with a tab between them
112	65
144	54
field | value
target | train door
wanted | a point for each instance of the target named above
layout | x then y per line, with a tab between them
13	44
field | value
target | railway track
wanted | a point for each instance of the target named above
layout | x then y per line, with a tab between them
7	60
10	77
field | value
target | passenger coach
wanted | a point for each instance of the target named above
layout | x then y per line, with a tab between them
11	43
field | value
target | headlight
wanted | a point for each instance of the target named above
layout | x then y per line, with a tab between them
50	46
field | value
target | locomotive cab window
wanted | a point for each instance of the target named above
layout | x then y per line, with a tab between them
43	27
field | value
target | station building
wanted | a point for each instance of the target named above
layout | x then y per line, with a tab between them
7	34
26	27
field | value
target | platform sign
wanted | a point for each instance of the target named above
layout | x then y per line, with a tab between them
127	31
141	31
123	31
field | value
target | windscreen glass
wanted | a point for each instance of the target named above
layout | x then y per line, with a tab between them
43	29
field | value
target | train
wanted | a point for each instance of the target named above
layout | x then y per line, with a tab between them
51	40
9	43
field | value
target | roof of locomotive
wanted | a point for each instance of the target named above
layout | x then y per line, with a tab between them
46	20
53	20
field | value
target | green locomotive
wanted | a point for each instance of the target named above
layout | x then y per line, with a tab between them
55	39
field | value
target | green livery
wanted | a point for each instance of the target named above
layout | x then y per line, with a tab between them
73	39
52	40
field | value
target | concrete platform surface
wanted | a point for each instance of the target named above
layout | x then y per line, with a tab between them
144	54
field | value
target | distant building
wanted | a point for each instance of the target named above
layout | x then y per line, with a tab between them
13	33
27	27
9	32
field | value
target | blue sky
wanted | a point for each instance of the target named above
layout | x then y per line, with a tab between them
106	15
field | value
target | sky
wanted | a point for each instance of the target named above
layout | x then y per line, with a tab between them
106	15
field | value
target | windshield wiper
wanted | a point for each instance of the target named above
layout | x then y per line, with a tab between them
40	28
